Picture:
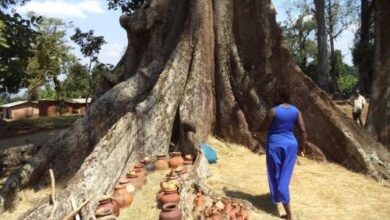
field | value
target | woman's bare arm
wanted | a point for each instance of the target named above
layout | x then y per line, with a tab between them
301	134
266	123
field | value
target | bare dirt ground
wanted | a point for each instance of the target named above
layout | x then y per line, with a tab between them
347	109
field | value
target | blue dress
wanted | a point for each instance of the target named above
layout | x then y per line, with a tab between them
281	152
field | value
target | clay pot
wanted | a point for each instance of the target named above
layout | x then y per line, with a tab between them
216	215
103	211
169	186
228	206
176	160
170	196
145	161
170	211
123	197
133	178
242	214
199	201
160	194
126	182
109	203
140	170
219	204
108	217
188	158
161	163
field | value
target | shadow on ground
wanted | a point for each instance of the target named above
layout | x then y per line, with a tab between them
261	202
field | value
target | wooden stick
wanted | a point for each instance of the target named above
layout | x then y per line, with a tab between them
70	215
53	192
74	207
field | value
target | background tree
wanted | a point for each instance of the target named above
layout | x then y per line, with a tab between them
90	46
378	121
299	35
211	66
51	57
17	37
340	15
323	69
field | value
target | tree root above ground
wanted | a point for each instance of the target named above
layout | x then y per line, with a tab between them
210	64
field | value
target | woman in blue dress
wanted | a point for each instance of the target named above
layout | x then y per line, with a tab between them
282	146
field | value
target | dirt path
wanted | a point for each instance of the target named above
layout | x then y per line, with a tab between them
318	191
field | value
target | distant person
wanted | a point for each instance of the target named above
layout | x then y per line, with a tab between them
358	102
282	147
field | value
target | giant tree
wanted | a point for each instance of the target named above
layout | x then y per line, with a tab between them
378	121
364	50
212	67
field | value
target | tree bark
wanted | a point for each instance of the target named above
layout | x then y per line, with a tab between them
211	66
378	121
364	61
323	58
334	75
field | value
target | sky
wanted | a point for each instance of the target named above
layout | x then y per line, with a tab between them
94	14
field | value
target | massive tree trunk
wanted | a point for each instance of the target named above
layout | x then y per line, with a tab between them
211	66
364	48
323	58
379	113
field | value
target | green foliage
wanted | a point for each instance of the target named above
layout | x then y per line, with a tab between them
348	76
17	37
127	6
347	83
76	84
51	56
299	35
90	46
46	92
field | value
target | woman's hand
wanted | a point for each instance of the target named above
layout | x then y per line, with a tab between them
301	151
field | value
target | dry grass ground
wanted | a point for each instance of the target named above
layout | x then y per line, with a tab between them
144	206
318	190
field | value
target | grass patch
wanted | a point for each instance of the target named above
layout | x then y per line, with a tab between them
144	206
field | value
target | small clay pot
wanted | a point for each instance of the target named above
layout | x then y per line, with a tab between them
170	211
108	217
176	160
123	197
170	196
219	204
169	186
161	163
242	214
228	206
103	211
133	178
188	157
126	182
140	170
109	203
199	201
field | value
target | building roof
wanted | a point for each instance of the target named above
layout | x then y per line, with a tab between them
80	100
12	104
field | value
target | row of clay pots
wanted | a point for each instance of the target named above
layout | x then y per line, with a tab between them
168	197
109	206
174	162
219	209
